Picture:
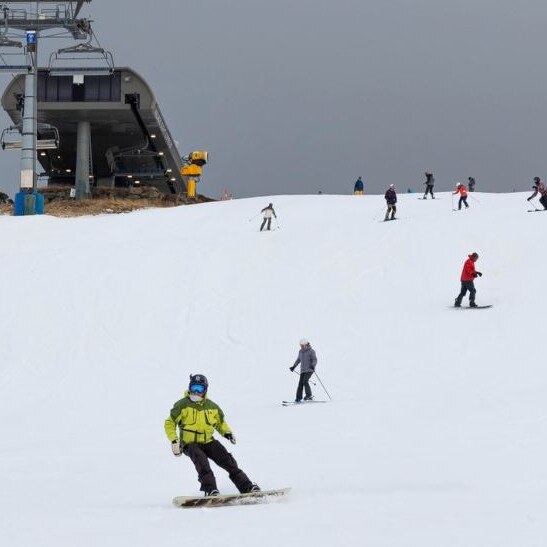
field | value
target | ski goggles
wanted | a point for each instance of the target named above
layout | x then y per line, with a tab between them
197	388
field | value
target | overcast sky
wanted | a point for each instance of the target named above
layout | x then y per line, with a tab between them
297	96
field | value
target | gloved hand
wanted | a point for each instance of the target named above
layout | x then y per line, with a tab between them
479	274
175	447
292	369
528	199
230	437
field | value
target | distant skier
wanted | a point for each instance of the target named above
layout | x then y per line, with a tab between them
391	201
539	188
358	188
429	183
468	281
190	428
268	213
471	184
307	359
462	190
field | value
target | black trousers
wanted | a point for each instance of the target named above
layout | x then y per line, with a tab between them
269	221
304	385
543	201
429	190
215	450
463	199
391	209
467	286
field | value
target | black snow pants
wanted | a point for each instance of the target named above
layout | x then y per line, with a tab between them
304	385
463	200
390	209
269	221
215	450
429	190
466	286
543	201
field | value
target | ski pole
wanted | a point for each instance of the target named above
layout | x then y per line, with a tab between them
322	385
532	201
474	199
312	383
254	217
276	221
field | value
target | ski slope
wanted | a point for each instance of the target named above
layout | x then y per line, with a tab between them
436	432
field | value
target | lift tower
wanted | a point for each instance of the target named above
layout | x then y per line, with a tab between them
22	25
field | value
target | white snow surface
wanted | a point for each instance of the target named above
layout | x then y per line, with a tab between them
436	433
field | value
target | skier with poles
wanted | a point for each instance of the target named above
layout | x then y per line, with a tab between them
462	190
391	201
190	428
429	183
268	213
467	279
539	188
307	359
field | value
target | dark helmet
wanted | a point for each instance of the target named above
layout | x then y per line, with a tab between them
473	255
198	384
270	205
536	179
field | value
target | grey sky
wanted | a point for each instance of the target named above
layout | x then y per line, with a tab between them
305	95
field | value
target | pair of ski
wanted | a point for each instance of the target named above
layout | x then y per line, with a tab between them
471	307
536	210
303	402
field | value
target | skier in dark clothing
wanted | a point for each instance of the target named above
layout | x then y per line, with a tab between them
539	188
358	187
308	361
467	279
391	200
268	213
429	183
190	428
471	184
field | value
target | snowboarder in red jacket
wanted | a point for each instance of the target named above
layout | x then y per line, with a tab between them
467	278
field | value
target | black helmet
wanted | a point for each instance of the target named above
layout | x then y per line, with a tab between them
198	384
536	179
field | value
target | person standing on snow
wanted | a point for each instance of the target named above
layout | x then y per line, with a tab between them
462	190
468	281
471	184
268	213
359	187
539	188
190	428
391	200
308	361
429	183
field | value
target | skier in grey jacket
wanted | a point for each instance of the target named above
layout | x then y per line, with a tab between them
308	361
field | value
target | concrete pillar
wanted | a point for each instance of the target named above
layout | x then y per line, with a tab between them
83	142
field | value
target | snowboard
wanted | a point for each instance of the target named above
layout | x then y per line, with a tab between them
251	498
470	308
289	403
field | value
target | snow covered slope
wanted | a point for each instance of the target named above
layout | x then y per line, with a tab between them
436	432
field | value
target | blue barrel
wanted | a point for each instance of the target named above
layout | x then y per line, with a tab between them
19	204
40	207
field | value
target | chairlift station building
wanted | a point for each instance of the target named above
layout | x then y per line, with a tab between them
108	119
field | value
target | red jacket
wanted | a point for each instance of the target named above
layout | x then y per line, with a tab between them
462	190
468	272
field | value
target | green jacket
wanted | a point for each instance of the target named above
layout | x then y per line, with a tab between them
195	421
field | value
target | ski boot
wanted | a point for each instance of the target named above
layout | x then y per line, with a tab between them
212	493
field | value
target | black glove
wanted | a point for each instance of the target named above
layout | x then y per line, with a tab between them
230	437
478	274
292	369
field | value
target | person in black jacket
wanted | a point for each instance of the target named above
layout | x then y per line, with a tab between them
358	187
391	200
429	183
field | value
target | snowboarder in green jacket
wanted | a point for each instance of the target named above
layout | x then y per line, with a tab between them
190	427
